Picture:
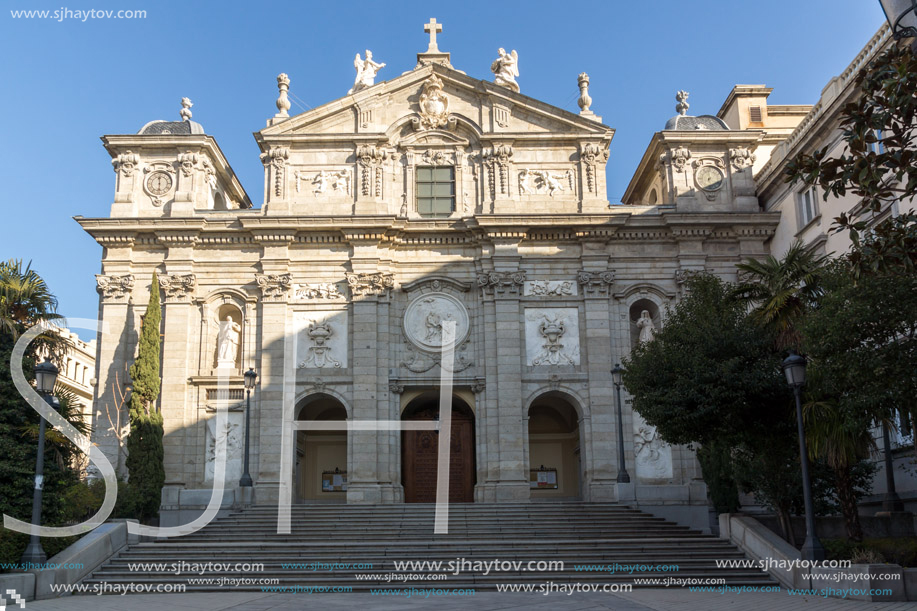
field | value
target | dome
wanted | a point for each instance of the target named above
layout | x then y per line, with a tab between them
171	127
688	123
184	127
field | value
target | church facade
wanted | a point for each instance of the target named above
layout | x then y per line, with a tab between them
427	201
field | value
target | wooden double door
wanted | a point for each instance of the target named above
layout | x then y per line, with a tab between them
420	454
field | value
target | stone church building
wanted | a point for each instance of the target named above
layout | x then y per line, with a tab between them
432	197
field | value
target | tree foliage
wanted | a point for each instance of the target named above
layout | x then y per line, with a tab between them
144	443
779	291
879	164
25	301
710	373
711	376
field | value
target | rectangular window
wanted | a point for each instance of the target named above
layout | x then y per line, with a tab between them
808	206
435	191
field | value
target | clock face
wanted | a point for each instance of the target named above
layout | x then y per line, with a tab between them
709	178
159	183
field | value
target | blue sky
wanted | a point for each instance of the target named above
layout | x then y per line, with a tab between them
68	82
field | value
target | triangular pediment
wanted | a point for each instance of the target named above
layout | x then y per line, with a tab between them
481	107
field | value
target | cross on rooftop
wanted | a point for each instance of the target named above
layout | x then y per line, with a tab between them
432	28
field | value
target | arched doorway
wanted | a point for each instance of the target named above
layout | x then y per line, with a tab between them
419	452
321	456
555	468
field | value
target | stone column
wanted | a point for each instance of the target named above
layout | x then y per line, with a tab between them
114	356
503	287
370	291
274	418
177	412
600	458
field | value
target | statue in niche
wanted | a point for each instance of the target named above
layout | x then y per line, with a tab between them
228	342
366	71
646	326
506	69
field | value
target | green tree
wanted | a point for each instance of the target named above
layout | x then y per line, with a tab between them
146	471
879	165
711	376
25	301
862	341
779	291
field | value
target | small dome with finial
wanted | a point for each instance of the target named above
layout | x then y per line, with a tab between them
683	122
184	127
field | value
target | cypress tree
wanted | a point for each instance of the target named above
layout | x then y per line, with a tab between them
144	443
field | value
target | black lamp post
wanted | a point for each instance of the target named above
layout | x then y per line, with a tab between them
45	378
901	16
794	367
891	502
616	374
250	378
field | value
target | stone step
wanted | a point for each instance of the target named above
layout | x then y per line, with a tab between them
575	533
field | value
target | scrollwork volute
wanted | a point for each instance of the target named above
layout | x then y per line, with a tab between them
274	287
177	287
114	288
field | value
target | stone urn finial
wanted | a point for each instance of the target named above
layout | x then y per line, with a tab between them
682	98
584	100
185	111
283	103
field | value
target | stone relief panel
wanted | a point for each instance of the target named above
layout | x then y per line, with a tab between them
321	339
546	182
552	336
230	437
549	288
424	318
322	290
653	456
324	183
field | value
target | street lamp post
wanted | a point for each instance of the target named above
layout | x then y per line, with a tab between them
250	378
45	378
794	367
891	502
901	16
616	375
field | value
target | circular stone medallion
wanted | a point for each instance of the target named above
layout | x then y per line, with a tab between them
424	318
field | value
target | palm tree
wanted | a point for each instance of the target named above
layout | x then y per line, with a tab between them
842	442
25	301
779	291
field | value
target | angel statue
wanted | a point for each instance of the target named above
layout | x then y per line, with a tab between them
506	69
366	71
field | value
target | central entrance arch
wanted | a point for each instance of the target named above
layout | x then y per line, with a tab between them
419	452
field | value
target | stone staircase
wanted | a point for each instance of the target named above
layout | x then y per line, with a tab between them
573	532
